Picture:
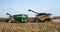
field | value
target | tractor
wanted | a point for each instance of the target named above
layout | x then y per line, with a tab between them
42	17
19	18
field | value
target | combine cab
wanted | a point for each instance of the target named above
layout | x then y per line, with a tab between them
42	17
17	18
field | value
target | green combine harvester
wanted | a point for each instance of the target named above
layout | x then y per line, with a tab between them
19	18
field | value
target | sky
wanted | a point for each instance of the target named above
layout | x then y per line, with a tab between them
21	7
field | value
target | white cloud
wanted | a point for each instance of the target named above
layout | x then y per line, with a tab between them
45	8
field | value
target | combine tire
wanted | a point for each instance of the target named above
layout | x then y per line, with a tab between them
48	20
36	20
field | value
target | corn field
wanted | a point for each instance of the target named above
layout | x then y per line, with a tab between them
30	27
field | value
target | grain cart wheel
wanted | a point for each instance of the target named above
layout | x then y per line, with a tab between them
19	20
24	20
12	21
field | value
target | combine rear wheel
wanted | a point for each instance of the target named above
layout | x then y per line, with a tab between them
36	20
48	20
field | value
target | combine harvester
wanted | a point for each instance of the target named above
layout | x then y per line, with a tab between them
19	18
42	17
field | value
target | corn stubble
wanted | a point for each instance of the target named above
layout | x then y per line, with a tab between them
30	27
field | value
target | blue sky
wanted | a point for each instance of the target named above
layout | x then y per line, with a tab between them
22	6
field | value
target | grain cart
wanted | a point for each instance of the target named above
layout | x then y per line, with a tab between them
42	17
17	18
